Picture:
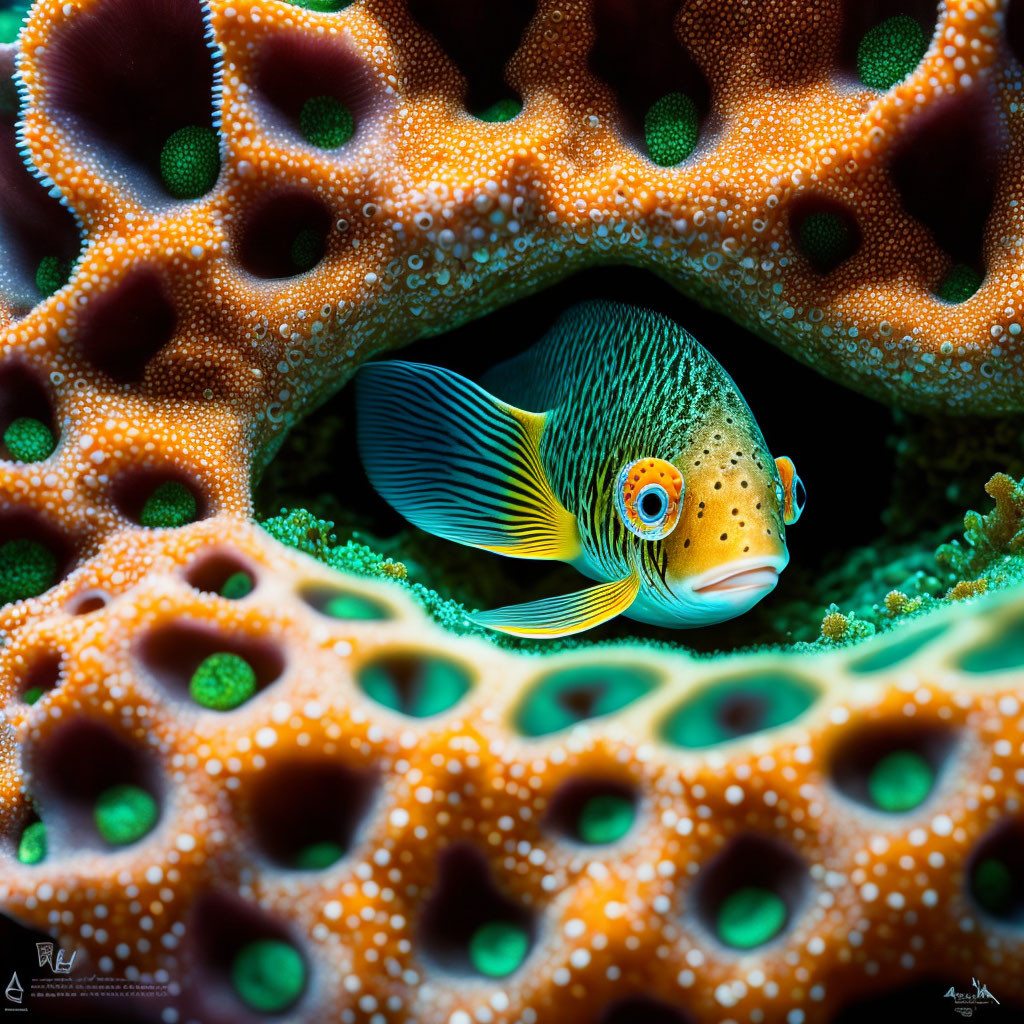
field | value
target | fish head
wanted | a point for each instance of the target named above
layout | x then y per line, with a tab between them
718	513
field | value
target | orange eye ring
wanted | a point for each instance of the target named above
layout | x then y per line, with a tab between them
649	497
794	494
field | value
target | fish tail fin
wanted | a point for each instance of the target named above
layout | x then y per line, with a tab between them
553	617
458	463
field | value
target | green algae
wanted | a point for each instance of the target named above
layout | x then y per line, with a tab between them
124	814
890	51
268	975
900	781
29	440
415	685
750	917
605	818
325	122
32	845
501	111
671	129
222	682
28	568
498	948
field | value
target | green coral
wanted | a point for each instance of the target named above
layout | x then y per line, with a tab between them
307	249
671	129
27	569
503	110
29	440
170	505
190	161
890	51
32	846
124	814
52	274
268	975
959	284
326	122
322	6
825	239
222	682
11	20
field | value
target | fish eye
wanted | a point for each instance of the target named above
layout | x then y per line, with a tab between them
652	504
789	489
648	497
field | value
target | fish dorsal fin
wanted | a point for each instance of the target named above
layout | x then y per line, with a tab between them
459	463
553	617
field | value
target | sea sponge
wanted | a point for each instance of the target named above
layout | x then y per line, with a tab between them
428	822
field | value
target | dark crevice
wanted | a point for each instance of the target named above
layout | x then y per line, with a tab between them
173	652
132	73
23	396
137	494
34	555
643	1010
214	570
952	149
995	873
751	863
300	807
891	767
637	52
293	69
824	231
125	326
73	766
572	809
418	685
461	26
465	899
341	603
1015	29
39	239
221	928
41	676
284	234
86	602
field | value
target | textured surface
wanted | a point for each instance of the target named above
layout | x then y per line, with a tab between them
872	898
191	334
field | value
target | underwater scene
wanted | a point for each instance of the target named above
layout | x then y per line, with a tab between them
511	512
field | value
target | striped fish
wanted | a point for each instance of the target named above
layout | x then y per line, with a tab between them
642	467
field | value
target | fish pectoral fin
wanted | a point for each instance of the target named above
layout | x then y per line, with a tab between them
553	617
459	463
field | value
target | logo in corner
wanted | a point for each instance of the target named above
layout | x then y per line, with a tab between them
14	992
965	1003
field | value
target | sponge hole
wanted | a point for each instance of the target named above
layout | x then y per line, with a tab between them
28	427
284	235
306	813
125	326
459	27
133	73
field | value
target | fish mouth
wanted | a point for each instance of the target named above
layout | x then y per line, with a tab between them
738	578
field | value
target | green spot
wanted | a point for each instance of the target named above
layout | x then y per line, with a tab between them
318	856
172	504
322	6
737	706
326	122
124	813
750	917
32	848
503	110
670	129
27	569
190	162
498	948
11	20
419	687
237	585
1002	652
825	239
52	274
605	818
355	606
32	694
268	975
883	655
900	781
992	885
959	284
29	440
307	249
890	51
571	695
222	681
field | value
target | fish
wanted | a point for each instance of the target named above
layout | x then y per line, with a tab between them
617	444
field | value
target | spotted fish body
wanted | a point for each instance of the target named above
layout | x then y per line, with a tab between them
630	406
